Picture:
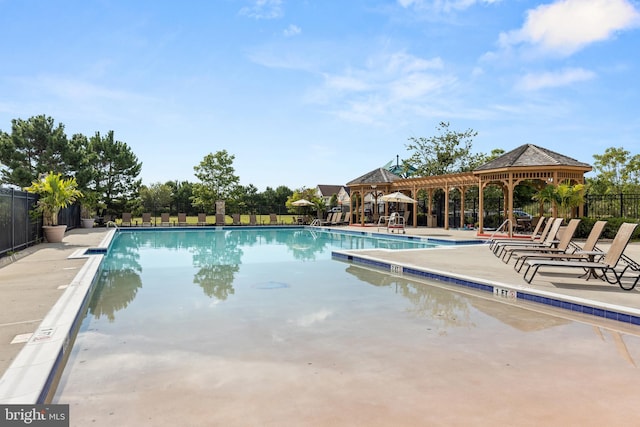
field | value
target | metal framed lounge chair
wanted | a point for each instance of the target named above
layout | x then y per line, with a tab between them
182	219
220	220
532	237
607	266
337	219
329	219
562	244
165	220
587	250
253	220
236	219
547	238
202	219
146	219
126	219
273	219
497	247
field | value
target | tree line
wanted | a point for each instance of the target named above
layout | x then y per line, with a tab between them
107	171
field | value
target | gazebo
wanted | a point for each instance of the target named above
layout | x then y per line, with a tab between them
527	162
373	184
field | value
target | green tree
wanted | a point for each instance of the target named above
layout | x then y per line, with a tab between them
218	180
156	197
116	171
617	171
35	147
181	194
248	199
448	152
275	199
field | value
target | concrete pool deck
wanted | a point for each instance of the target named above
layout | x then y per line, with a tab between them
32	281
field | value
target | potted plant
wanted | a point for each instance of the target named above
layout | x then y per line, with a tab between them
55	193
88	205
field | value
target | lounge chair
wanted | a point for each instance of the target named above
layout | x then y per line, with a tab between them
220	220
330	218
337	219
531	237
236	219
546	238
202	219
165	220
273	219
146	219
253	220
584	252
562	244
182	219
607	266
126	219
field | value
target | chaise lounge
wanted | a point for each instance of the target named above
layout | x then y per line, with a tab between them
607	266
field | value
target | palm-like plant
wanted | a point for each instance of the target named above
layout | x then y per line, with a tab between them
546	194
55	193
569	196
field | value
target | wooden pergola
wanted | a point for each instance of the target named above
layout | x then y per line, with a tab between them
525	163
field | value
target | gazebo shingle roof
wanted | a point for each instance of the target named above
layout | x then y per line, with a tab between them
531	155
376	176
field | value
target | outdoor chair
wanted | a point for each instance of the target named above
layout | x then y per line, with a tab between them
146	219
532	237
253	220
584	252
182	219
273	219
548	242
202	219
499	247
562	244
337	219
236	219
165	220
220	220
126	219
607	266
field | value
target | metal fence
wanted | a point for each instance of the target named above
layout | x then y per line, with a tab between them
18	227
612	205
595	206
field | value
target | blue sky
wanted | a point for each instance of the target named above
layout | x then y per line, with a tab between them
320	92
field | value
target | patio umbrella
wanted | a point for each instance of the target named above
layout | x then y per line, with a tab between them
397	197
302	202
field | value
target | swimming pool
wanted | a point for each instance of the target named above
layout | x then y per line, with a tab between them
245	327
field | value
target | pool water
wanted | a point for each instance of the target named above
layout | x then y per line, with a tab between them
252	327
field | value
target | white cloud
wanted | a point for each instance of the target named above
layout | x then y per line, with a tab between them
566	26
386	83
531	82
263	9
292	30
312	318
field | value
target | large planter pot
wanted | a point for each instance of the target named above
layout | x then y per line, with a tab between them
87	222
54	233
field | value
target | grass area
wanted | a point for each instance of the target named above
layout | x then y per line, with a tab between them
211	220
